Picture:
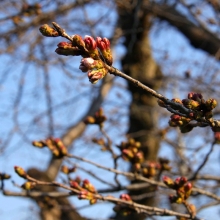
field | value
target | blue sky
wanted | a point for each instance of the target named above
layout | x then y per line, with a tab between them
164	39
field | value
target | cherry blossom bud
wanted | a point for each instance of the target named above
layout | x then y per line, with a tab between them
75	185
78	41
104	45
20	171
90	43
28	185
66	49
217	137
195	96
168	181
87	64
175	199
87	185
95	75
125	197
188	189
211	104
191	104
39	144
48	31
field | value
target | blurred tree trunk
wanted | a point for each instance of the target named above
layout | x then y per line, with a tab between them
139	64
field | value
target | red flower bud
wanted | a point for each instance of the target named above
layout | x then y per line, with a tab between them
90	43
103	43
125	197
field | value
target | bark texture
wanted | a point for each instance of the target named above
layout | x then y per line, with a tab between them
139	64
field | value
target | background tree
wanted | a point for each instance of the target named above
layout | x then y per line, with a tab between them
44	94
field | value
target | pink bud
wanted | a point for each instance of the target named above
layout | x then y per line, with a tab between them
90	43
103	43
86	64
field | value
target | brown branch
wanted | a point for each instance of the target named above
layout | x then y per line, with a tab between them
199	37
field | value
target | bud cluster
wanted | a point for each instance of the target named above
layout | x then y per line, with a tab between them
55	145
122	209
87	190
202	109
96	53
151	168
182	186
130	151
68	170
97	119
29	10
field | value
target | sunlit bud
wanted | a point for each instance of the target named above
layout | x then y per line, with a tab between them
139	157
65	169
177	101
151	171
90	43
87	185
195	96
39	144
217	137
86	64
4	176
28	185
104	45
137	144
78	41
175	117
125	197
20	171
175	199
63	150
168	181
95	75
68	50
191	104
48	31
92	201
56	152
83	194
211	104
127	154
137	166
77	179
89	120
187	189
75	185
